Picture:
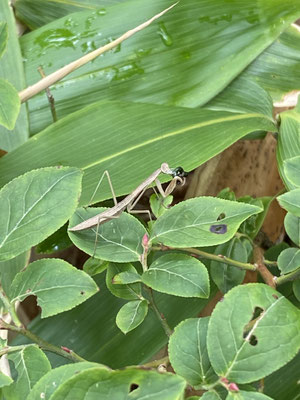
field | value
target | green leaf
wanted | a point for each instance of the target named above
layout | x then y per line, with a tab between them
292	227
5	380
35	205
242	395
211	395
179	275
119	239
290	201
93	266
244	352
195	223
9	104
292	170
50	382
134	136
289	260
10	268
152	66
159	205
131	315
126	277
57	284
227	276
188	352
127	292
31	365
58	241
99	382
3	37
11	69
288	141
296	289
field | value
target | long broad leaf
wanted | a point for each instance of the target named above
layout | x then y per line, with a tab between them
11	69
125	139
184	59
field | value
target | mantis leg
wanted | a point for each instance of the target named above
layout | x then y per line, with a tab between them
105	173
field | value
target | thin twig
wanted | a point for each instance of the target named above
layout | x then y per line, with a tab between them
161	317
258	256
292	276
56	76
49	96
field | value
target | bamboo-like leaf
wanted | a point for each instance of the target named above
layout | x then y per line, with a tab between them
184	59
11	69
3	37
9	104
188	137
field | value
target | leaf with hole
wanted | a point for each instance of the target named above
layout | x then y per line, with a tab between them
179	275
227	276
3	37
290	201
127	291
58	286
9	104
131	315
35	205
289	260
119	239
31	364
202	221
242	344
292	227
188	352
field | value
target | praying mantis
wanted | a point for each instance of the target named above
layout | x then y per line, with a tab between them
178	175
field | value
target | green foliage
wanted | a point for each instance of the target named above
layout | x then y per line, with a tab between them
9	104
131	315
3	37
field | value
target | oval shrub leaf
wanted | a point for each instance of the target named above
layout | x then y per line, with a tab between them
245	350
9	104
131	315
58	285
178	274
127	292
196	222
35	205
119	239
289	260
3	37
292	227
227	276
188	352
243	395
290	201
292	170
126	277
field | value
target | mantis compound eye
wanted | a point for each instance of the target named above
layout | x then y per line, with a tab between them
179	171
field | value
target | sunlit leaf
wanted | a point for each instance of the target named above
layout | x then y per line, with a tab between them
9	104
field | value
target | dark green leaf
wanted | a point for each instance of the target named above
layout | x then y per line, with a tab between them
289	260
3	37
159	205
291	201
244	352
127	292
94	266
131	315
9	104
119	239
196	222
188	352
58	241
292	227
296	289
242	395
57	284
35	205
179	275
9	269
126	277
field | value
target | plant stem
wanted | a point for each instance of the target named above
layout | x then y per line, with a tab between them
258	256
64	352
10	308
292	276
214	257
162	319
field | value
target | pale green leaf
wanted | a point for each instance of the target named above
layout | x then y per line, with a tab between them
243	395
50	382
196	223
244	352
188	352
296	289
292	170
35	205
98	383
188	137
11	69
179	275
3	37
119	239
126	277
289	260
10	268
127	292
31	365
292	227
211	395
290	201
131	315
159	205
5	380
94	266
185	58
227	276
58	286
9	104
